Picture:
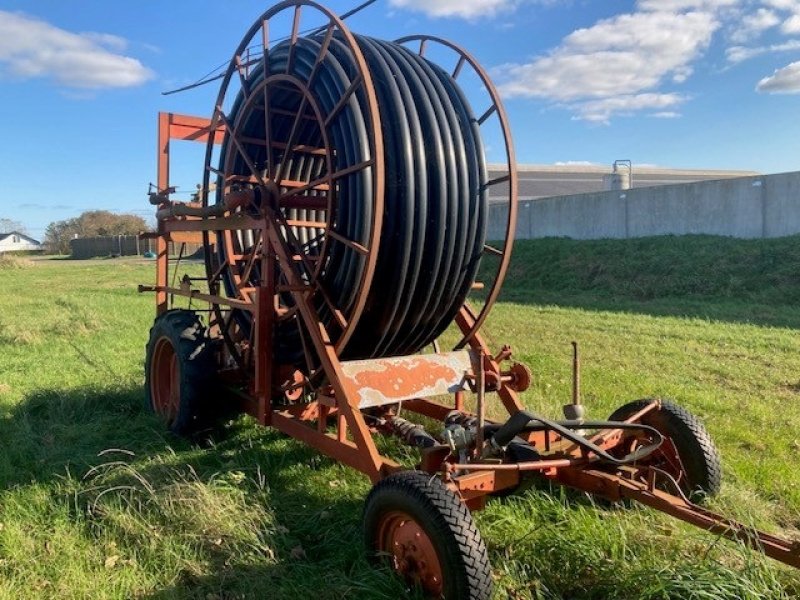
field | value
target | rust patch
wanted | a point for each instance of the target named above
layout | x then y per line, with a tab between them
407	378
387	380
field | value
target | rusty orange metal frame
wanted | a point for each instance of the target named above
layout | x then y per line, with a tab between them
356	385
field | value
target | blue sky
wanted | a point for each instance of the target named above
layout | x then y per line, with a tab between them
674	83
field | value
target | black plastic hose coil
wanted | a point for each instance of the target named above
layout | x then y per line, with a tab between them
435	202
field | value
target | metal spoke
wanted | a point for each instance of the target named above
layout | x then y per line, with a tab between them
343	100
265	46
487	114
306	351
267	115
492	250
317	183
242	76
293	42
291	141
459	66
495	181
251	261
307	224
323	50
293	242
290	183
216	275
340	319
215	171
240	148
349	243
290	149
302	148
288	113
313	281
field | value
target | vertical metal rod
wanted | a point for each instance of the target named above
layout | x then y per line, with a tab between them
459	406
341	425
481	384
322	418
264	322
162	183
576	374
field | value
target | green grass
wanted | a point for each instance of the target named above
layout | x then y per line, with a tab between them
98	501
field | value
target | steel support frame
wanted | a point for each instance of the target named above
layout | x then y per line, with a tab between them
352	442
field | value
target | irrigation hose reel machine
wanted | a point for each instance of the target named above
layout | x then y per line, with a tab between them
343	214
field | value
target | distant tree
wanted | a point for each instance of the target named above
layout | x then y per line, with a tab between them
89	224
9	225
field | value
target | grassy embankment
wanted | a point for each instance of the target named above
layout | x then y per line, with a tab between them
96	500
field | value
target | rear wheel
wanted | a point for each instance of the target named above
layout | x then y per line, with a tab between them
688	454
427	535
179	371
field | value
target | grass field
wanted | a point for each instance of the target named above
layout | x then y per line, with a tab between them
98	501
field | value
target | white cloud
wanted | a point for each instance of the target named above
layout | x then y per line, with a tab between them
682	5
787	5
666	114
601	111
466	9
791	25
754	24
110	41
30	47
782	81
737	54
614	66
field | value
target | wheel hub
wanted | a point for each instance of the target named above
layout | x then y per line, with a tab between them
165	380
412	552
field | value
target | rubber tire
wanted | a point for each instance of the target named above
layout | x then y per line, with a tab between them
466	571
186	333
692	442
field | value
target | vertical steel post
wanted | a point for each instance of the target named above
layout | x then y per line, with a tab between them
264	320
162	246
481	385
576	375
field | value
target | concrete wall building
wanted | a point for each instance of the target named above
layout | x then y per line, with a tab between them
754	206
546	181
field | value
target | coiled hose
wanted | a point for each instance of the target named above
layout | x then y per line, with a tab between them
435	204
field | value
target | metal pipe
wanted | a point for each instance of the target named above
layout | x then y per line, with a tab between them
576	374
481	384
539	465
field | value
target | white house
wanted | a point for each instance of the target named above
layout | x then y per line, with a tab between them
14	241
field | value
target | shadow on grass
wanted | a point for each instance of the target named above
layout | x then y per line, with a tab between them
296	514
53	432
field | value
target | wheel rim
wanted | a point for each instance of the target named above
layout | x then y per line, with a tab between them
411	551
165	380
665	458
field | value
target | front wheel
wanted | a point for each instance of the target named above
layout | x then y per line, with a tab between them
698	470
427	535
179	371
